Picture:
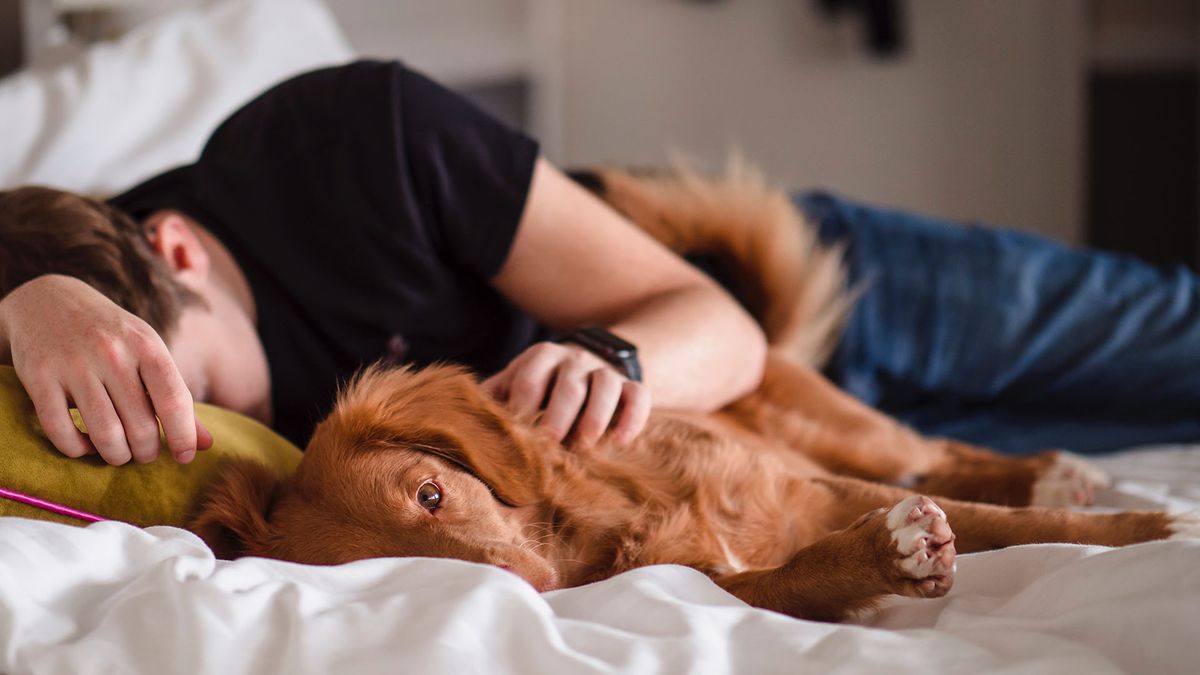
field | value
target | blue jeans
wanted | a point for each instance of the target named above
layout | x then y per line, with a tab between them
1012	341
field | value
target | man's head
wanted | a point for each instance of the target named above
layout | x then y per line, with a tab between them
167	270
47	231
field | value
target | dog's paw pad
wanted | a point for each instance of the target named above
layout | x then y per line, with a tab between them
1185	526
925	545
1069	481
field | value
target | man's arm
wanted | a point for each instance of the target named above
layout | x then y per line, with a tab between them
575	261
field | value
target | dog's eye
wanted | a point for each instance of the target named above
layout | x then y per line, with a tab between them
429	495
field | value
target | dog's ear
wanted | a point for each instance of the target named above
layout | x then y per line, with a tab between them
232	518
443	411
494	450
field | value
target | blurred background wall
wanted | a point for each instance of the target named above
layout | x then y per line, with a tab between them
1072	118
980	116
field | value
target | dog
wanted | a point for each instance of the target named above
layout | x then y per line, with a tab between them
796	498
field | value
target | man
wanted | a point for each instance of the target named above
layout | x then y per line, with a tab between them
362	212
347	215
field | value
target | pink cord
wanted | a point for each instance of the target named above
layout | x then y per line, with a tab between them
50	506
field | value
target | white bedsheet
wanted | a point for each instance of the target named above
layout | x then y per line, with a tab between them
112	598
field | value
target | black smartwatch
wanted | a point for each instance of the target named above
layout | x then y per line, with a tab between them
621	354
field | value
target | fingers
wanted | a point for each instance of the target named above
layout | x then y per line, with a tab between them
103	426
566	399
579	392
172	403
50	404
122	411
635	412
120	422
136	417
204	438
531	375
604	393
496	386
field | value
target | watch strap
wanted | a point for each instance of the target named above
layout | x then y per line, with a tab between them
618	352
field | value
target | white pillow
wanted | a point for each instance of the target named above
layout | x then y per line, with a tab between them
128	109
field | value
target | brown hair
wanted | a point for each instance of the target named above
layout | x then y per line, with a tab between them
46	231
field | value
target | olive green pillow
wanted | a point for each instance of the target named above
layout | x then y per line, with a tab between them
159	493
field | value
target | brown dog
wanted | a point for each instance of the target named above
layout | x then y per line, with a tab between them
779	498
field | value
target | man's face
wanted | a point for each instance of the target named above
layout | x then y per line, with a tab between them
220	357
215	344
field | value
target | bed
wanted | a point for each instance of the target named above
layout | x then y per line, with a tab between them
114	598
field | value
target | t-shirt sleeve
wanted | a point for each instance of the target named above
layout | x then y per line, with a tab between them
469	173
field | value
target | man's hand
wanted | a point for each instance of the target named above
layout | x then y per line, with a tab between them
578	389
72	346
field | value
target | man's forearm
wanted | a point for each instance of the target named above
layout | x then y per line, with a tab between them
699	351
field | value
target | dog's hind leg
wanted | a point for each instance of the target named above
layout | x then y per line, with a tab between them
907	550
1052	479
904	545
982	527
798	407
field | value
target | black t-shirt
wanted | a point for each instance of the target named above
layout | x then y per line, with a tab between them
368	207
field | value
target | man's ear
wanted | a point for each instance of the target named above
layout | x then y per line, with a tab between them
232	519
177	244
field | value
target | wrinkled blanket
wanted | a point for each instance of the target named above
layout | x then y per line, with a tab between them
113	598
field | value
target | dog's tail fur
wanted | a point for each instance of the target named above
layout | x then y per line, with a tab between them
764	251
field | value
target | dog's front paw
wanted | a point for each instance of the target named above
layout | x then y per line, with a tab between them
1068	480
924	545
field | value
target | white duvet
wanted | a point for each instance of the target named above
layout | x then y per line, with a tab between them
111	598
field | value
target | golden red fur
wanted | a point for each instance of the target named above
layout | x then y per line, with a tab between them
780	498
